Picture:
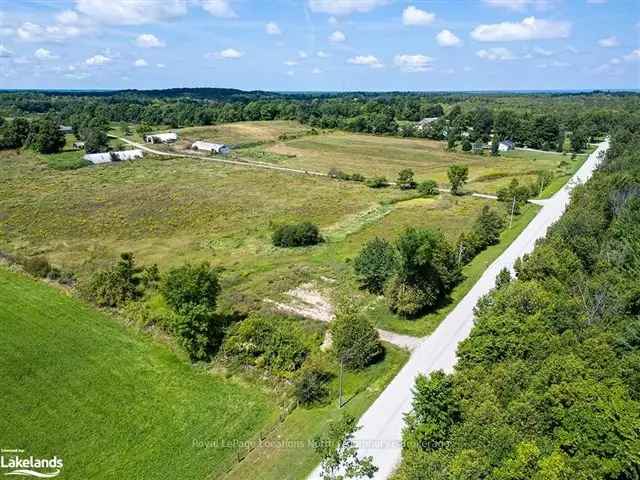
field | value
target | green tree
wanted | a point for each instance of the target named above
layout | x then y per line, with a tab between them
117	285
191	285
428	188
46	136
579	139
374	264
354	340
198	331
495	143
95	140
338	453
14	133
296	235
311	383
466	145
458	176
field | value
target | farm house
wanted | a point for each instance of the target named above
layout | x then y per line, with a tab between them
505	146
220	148
169	137
107	157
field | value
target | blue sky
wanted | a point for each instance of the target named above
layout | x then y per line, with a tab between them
332	45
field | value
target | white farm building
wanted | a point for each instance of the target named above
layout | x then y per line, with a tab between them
169	137
505	146
107	157
220	148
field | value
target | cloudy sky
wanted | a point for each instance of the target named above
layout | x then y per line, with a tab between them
332	45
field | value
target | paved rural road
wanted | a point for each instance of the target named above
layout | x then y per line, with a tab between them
381	425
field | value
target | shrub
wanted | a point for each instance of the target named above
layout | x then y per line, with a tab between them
374	264
311	382
377	182
408	300
36	266
355	341
296	235
274	343
503	278
198	331
340	175
514	191
405	179
189	285
428	188
116	286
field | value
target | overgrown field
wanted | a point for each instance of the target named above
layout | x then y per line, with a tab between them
379	155
112	403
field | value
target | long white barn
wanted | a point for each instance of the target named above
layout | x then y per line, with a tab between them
106	157
169	137
220	148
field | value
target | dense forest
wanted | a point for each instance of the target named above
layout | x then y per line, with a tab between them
548	383
529	120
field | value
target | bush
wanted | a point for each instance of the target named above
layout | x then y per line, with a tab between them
355	341
311	382
274	343
340	175
374	264
191	285
405	179
36	266
296	235
377	182
198	331
408	300
428	188
116	286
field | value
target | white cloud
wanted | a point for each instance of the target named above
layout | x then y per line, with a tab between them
530	28
44	54
141	62
634	55
148	40
344	7
609	42
272	28
333	21
5	52
615	61
227	53
521	5
322	54
447	39
68	17
98	60
596	2
337	37
33	32
413	63
131	12
316	71
497	53
291	63
218	8
414	16
160	65
542	52
302	54
368	60
554	64
291	73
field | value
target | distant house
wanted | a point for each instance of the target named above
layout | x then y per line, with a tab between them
65	129
425	122
106	157
78	145
161	137
477	147
219	148
505	146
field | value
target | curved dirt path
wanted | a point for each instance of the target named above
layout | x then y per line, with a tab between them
380	433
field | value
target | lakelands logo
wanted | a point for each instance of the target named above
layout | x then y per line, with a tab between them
17	464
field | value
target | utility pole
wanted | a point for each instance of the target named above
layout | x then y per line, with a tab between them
340	394
513	208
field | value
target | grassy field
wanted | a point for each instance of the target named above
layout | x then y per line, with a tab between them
376	155
287	453
112	403
244	133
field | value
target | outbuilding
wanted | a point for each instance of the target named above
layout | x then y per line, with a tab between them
505	146
65	129
168	137
219	148
107	157
78	145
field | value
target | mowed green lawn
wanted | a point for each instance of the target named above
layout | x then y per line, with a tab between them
112	403
373	155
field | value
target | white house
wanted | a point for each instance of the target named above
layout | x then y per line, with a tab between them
169	137
106	157
65	129
505	146
220	148
425	122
